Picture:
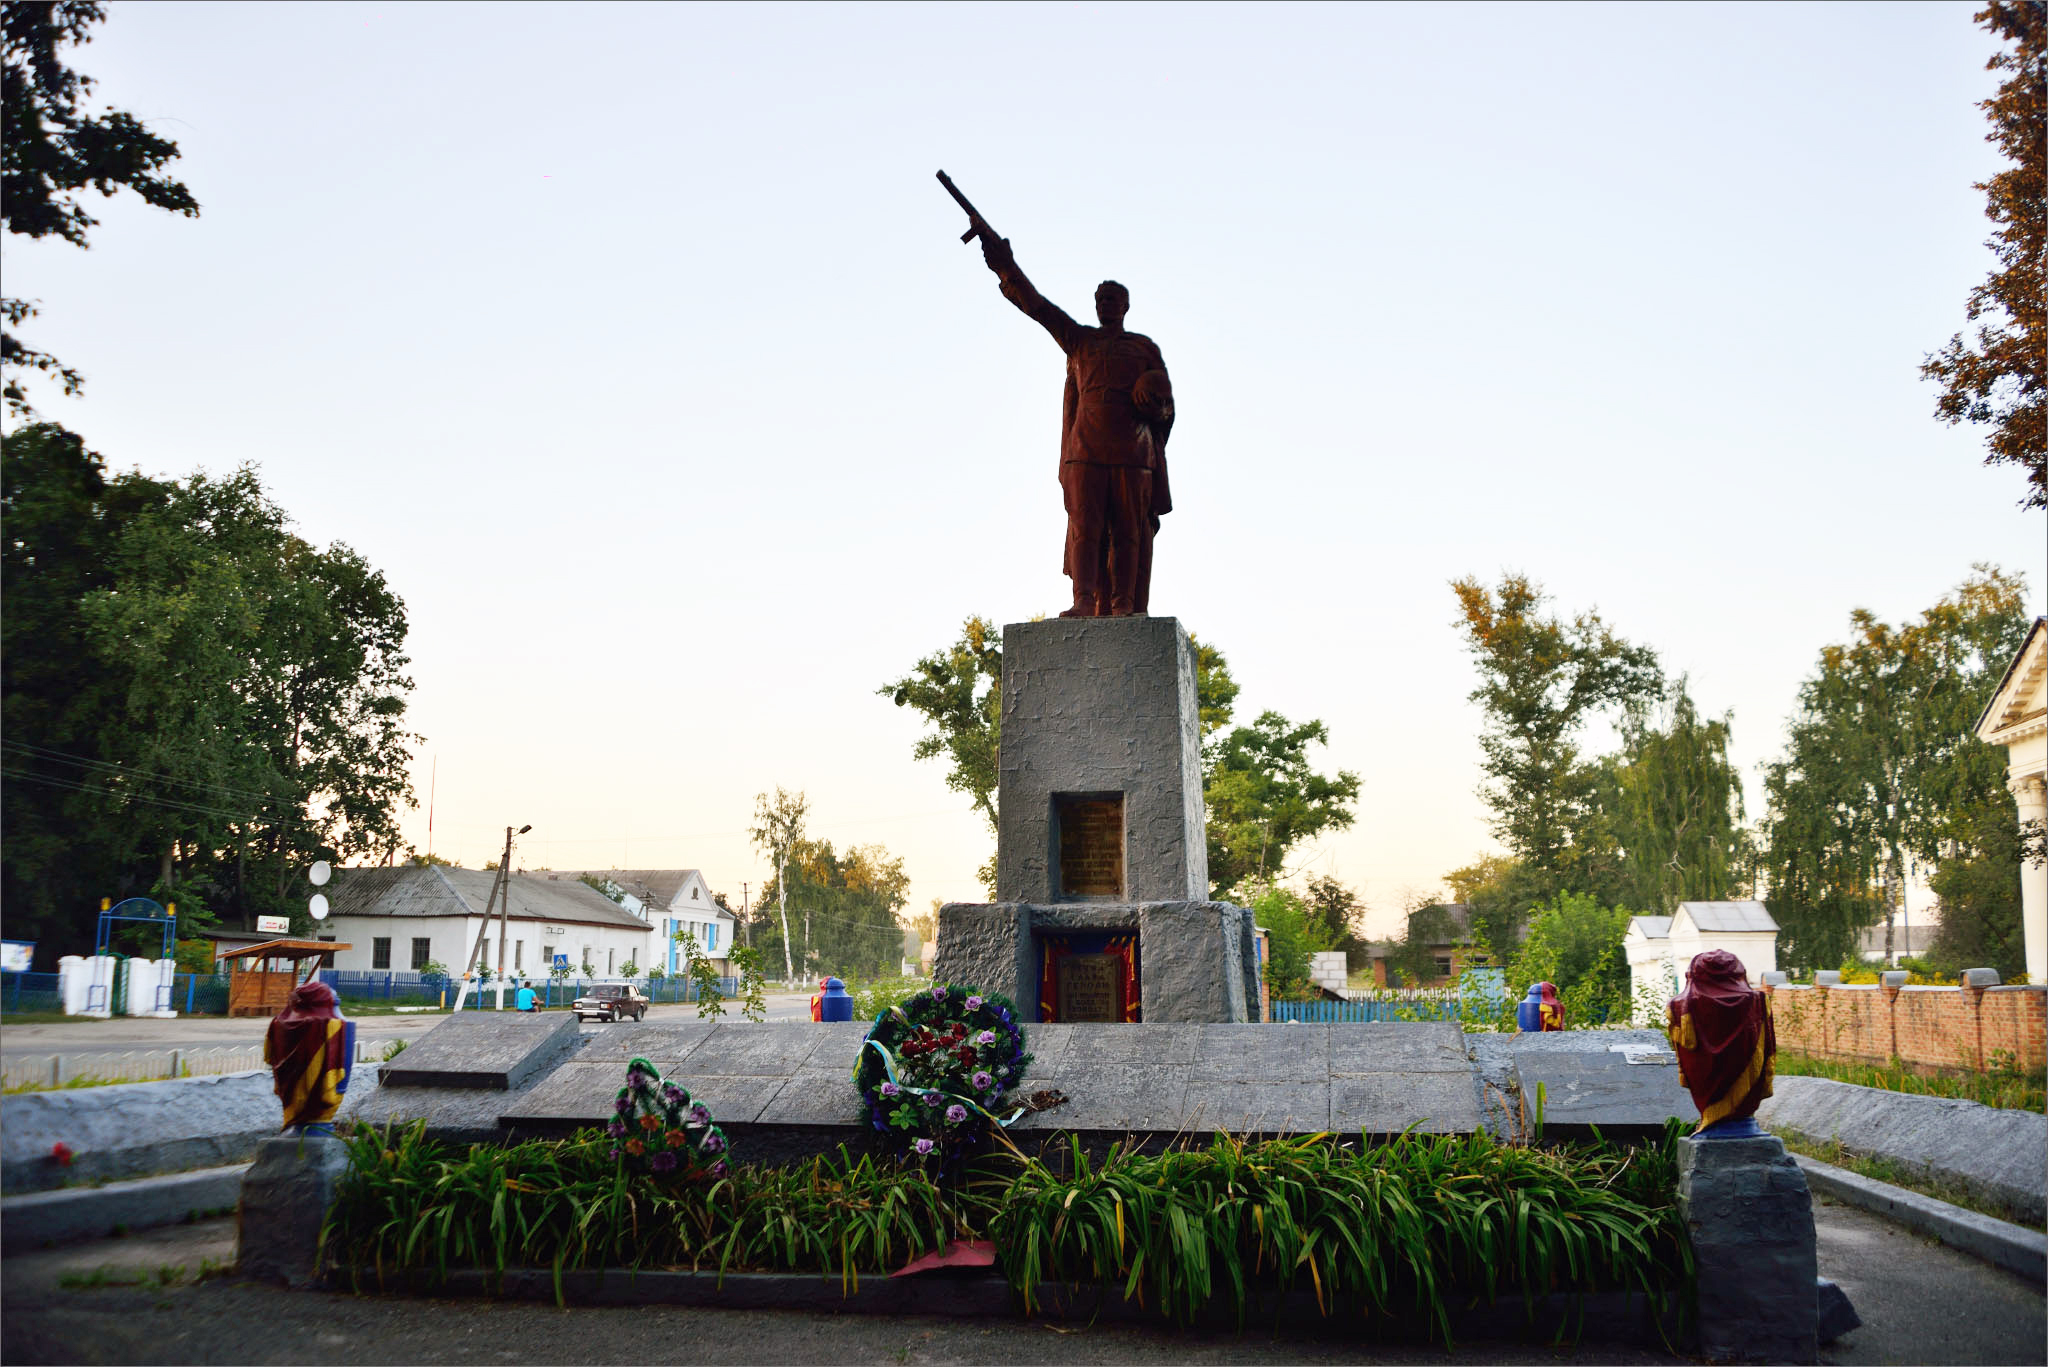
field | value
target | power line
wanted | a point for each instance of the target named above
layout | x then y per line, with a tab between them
129	771
70	785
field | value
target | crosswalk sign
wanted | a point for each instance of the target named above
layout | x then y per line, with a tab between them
561	961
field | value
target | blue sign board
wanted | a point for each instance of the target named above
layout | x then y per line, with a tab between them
561	961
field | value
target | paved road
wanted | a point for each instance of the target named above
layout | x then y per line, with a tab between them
126	1034
1920	1302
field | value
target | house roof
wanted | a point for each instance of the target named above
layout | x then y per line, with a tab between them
2008	705
655	887
286	949
1725	917
441	891
1652	927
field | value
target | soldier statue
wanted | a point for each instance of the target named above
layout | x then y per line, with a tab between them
1117	416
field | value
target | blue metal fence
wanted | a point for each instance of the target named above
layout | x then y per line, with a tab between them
1380	1009
20	992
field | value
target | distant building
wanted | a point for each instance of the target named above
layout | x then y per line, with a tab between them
670	901
2017	718
399	919
1660	948
1452	949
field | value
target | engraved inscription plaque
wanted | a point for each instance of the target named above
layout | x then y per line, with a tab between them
1089	988
1091	828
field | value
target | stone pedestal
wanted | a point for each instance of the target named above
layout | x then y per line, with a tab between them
284	1200
1751	1218
1100	775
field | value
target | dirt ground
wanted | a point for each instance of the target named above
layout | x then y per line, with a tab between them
1920	1302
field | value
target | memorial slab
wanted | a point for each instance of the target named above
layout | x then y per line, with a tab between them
1092	1046
1395	1047
498	1050
1262	1054
667	1046
1385	1104
1258	1108
1625	1094
1114	1096
823	1097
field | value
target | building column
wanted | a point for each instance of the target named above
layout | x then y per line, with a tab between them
2029	792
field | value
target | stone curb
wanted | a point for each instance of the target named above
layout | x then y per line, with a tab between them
41	1217
2013	1247
1599	1317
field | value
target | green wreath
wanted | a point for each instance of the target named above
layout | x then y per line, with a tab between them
933	1070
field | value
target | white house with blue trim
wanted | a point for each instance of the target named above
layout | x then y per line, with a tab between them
669	901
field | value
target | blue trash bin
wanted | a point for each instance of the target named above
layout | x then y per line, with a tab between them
836	1004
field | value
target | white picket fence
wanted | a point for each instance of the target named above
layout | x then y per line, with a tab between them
141	1065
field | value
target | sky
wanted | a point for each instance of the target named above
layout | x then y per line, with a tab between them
637	347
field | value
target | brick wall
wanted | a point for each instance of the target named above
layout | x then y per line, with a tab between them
1932	1027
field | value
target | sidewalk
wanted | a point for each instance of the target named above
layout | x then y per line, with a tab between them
1919	1303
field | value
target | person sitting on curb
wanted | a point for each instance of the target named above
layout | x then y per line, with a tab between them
526	1001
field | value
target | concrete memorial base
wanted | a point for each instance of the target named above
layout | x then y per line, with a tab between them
1196	960
1751	1218
285	1197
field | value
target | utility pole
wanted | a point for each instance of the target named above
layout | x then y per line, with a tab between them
746	922
500	887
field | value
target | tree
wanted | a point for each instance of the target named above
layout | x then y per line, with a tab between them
778	826
1292	938
2000	378
1335	912
959	693
847	904
1499	891
1677	806
1541	679
51	152
197	703
1576	944
1882	764
1264	799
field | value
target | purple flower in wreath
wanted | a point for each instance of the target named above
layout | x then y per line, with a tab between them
700	1113
617	1129
985	1037
924	1146
714	1142
616	1151
955	1114
718	1169
974	1003
938	994
890	1089
665	1161
671	1092
638	1080
624	1105
982	1082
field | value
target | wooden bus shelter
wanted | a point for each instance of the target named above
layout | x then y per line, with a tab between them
261	977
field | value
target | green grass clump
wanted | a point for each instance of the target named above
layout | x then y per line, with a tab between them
1400	1229
1403	1230
2003	1085
412	1206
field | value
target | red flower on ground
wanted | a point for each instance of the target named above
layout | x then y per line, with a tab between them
62	1153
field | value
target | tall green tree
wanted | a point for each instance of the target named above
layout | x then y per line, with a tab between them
197	702
1542	678
1265	799
1999	378
959	693
777	831
52	151
843	909
1336	912
1676	805
1882	765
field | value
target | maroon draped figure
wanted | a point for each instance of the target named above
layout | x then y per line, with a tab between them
1721	1029
310	1048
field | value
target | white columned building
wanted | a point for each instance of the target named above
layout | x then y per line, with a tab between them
2017	718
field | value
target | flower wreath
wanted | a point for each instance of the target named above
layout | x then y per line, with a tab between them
658	1128
936	1065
